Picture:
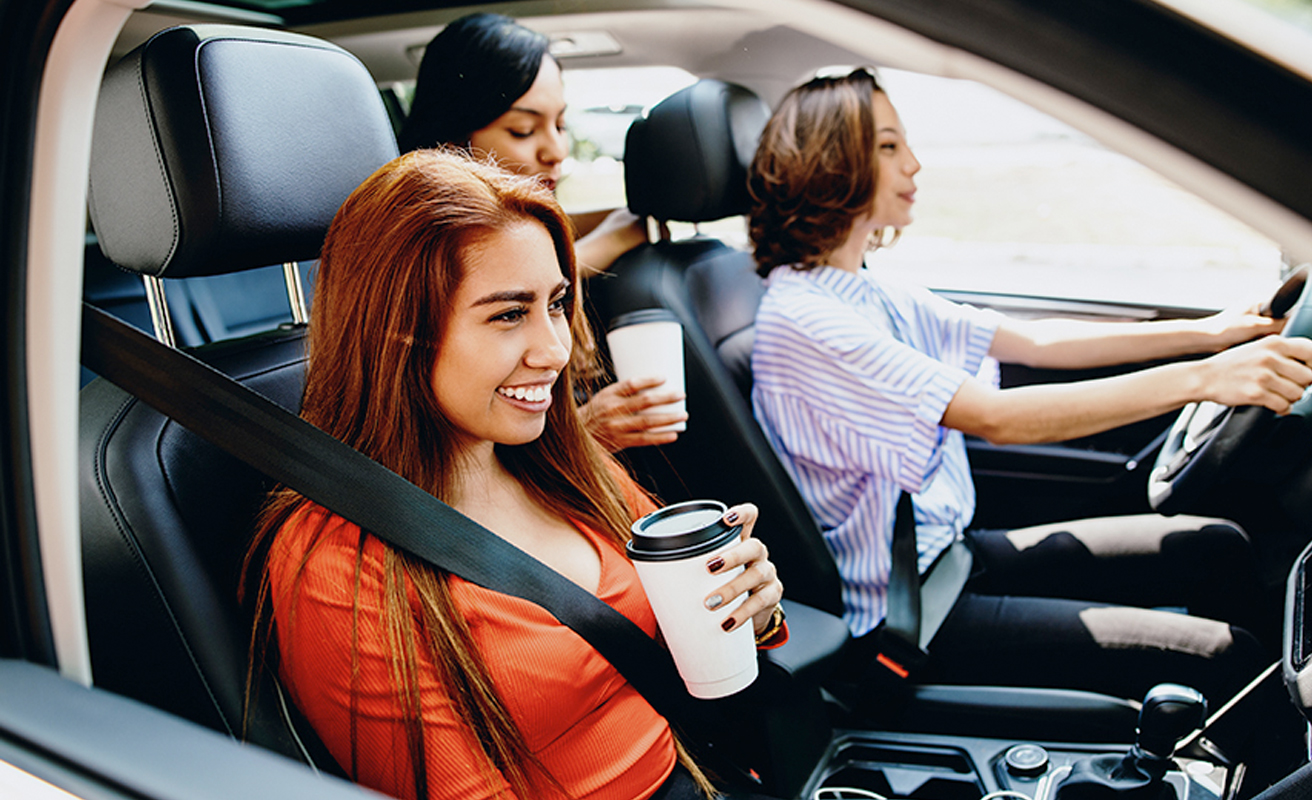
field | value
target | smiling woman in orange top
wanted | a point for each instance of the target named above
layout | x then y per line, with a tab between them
440	345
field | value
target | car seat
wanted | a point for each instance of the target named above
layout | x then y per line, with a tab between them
687	161
217	149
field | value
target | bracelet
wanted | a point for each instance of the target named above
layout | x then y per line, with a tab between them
771	629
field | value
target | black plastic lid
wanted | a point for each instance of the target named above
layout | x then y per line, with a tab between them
641	315
681	531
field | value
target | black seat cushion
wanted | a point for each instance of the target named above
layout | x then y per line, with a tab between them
202	164
687	160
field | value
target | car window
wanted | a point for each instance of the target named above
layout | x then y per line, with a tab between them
1009	199
600	105
1012	200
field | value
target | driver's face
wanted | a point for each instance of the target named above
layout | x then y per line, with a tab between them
895	191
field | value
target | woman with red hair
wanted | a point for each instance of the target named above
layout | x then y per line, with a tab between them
440	345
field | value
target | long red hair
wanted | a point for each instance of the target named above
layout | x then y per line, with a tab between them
391	262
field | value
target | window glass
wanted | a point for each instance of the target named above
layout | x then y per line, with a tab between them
1011	200
601	103
1298	12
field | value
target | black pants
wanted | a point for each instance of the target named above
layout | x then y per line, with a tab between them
1080	605
1100	604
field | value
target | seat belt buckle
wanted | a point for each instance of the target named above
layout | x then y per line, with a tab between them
892	666
899	658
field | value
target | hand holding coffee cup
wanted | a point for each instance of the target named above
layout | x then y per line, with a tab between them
628	413
708	583
648	344
758	578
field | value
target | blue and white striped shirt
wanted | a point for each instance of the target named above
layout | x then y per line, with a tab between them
851	379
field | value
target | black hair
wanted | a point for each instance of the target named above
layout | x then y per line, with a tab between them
472	72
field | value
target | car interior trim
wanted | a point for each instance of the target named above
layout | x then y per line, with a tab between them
69	86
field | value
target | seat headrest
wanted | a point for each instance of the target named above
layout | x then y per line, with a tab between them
220	148
687	160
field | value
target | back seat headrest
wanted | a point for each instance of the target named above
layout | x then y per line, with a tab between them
687	160
220	148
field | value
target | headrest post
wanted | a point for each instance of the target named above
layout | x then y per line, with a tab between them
159	310
663	230
291	273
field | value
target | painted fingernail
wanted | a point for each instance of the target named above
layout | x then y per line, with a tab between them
731	517
727	624
715	564
714	601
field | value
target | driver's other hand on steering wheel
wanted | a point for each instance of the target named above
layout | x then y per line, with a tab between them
1271	372
1233	326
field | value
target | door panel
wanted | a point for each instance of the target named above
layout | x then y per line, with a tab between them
119	748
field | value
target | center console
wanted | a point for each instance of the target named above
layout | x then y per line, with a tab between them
906	766
809	754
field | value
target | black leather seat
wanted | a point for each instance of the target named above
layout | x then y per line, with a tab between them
687	162
217	149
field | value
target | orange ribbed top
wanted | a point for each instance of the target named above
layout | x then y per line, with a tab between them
590	728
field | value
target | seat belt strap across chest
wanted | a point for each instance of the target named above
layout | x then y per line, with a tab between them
290	450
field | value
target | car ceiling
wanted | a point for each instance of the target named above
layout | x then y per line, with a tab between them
733	44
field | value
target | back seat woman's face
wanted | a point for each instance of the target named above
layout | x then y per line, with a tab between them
530	137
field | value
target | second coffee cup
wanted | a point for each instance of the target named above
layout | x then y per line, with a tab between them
670	549
648	343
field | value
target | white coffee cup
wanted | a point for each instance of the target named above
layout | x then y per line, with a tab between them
670	549
648	343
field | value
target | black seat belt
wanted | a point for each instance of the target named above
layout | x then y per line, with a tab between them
916	606
903	636
899	638
334	475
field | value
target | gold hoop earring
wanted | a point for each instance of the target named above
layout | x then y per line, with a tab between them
879	238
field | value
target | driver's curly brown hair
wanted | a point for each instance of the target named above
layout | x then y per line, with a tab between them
815	171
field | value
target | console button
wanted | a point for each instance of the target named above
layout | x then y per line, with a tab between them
1026	760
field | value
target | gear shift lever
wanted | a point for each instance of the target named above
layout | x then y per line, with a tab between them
1169	713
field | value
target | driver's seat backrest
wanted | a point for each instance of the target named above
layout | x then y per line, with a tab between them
686	161
217	149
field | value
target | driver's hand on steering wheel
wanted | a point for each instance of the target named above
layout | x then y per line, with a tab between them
1271	372
1234	326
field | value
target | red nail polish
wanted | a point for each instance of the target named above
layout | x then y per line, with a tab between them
727	624
731	517
715	565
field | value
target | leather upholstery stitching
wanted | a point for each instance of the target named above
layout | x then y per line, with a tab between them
175	227
124	529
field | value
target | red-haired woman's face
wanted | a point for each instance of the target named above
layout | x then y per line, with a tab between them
530	137
506	338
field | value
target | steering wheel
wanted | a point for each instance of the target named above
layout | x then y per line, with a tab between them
1207	435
